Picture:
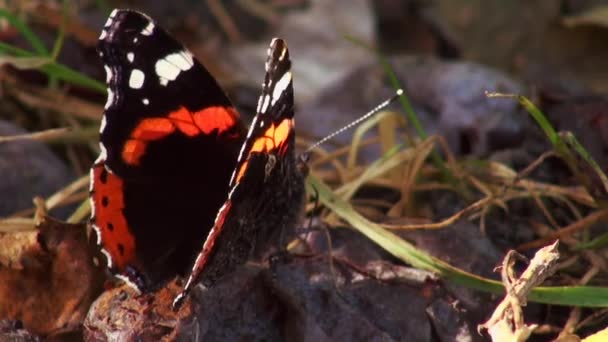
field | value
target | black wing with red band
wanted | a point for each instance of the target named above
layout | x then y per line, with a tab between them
266	187
169	140
176	164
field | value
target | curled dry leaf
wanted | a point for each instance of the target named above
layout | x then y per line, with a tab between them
53	281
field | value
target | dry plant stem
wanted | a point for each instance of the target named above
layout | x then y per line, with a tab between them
518	180
387	131
591	318
575	315
225	21
52	99
430	186
325	156
342	151
543	208
372	202
566	231
481	186
596	260
73	159
260	9
449	156
333	157
568	262
578	193
506	323
573	319
51	17
45	135
72	150
411	171
41	210
546	329
473	207
16	224
60	196
525	172
591	256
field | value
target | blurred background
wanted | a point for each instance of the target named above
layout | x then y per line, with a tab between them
445	54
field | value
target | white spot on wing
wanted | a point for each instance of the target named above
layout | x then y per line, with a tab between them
92	205
103	124
136	80
98	231
148	29
169	67
259	104
130	56
110	20
265	103
103	154
91	187
103	34
280	87
108	73
182	60
282	56
108	257
145	101
110	99
250	131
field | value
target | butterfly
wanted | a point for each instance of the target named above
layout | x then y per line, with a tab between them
180	185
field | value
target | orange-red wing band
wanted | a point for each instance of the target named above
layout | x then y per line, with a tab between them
274	138
189	123
108	200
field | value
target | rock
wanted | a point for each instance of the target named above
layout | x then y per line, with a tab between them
27	169
449	97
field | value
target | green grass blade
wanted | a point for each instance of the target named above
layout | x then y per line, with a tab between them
25	63
394	81
407	106
571	141
67	74
585	296
7	49
598	242
27	33
61	36
54	69
538	116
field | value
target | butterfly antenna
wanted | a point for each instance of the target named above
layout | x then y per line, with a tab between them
378	108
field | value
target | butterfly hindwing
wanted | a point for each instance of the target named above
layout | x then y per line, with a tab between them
266	187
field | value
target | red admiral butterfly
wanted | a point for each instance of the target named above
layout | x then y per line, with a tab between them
177	169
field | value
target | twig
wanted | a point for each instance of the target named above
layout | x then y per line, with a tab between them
566	231
45	135
506	323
